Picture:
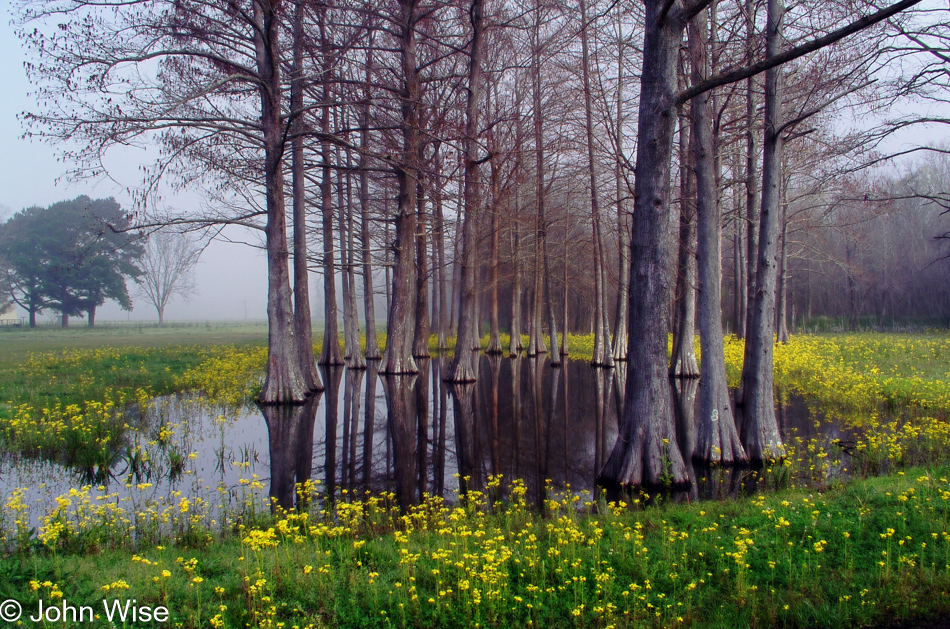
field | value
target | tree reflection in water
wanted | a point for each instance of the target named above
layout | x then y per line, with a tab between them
401	411
332	375
521	419
290	444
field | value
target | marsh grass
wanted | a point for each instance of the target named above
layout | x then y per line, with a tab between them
858	377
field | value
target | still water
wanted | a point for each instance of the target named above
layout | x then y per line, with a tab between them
413	435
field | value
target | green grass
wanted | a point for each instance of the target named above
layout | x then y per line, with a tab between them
868	553
18	343
925	354
72	365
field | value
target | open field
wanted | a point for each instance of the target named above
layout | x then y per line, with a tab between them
78	364
17	343
819	548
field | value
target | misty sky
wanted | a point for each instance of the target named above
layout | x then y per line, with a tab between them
231	278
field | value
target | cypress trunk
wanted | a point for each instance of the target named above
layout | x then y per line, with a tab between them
603	354
463	368
646	452
331	354
761	436
536	340
420	343
284	381
369	307
683	360
401	324
717	440
303	324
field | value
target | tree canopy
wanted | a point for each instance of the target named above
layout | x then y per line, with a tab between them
69	257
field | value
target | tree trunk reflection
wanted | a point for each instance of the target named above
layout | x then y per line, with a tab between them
290	444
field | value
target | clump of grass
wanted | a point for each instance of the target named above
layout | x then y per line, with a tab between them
78	405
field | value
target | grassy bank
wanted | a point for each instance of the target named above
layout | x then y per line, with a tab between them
867	553
18	343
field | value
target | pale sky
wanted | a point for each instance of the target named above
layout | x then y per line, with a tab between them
231	278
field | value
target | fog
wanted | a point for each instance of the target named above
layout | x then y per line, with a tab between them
231	278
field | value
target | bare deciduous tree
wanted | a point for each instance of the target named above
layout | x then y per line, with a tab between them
167	266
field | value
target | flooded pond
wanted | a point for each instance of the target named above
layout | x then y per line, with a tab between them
415	435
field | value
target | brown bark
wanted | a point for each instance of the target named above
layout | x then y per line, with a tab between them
683	360
442	320
515	345
477	312
536	339
781	293
369	307
740	268
761	436
684	413
564	349
535	336
351	321
387	251
623	230
302	319
401	328
603	354
420	342
717	439
463	368
284	381
549	296
456	267
331	354
646	452
494	329
751	181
